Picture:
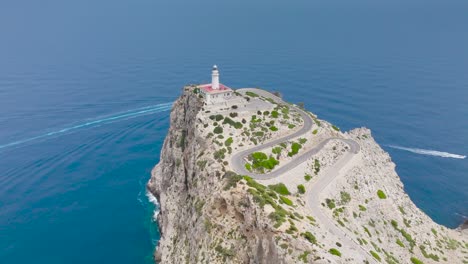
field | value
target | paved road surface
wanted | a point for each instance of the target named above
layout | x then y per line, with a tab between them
238	165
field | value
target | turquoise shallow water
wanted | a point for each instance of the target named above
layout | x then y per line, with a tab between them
85	88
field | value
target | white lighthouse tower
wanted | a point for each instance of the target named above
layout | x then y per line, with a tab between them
215	78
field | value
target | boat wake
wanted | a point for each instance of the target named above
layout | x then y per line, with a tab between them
430	152
104	120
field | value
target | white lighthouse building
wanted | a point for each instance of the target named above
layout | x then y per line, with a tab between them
215	92
215	78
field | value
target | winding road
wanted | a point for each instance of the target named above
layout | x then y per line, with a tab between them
238	165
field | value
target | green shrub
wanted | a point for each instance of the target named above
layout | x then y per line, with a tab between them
416	261
307	177
345	197
276	150
330	203
335	252
303	256
381	194
259	133
251	94
286	200
248	167
261	161
311	238
218	130
231	179
274	114
219	154
376	256
335	128
233	114
237	125
316	166
362	208
295	147
398	241
291	126
302	141
273	128
280	188
315	132
301	189
228	142
217	117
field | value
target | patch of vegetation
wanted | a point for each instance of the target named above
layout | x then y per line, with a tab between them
216	117
251	94
345	197
307	177
233	114
315	131
218	130
248	166
381	194
416	261
375	255
335	128
301	189
316	166
273	128
280	188
219	154
330	203
201	164
311	238
398	241
302	141
260	162
228	142
237	125
224	252
274	114
303	256
276	150
259	133
367	231
295	147
335	252
428	255
291	126
232	179
286	200
401	210
362	208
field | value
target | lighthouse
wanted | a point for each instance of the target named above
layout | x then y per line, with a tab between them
215	78
215	92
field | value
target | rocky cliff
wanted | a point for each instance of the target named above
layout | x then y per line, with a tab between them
209	214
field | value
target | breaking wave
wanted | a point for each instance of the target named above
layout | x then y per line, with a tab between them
105	120
154	201
430	152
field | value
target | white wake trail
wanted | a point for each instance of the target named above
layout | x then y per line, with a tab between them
429	152
109	119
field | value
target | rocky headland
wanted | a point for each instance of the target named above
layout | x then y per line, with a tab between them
259	180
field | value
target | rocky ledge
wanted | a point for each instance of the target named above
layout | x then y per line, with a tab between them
343	202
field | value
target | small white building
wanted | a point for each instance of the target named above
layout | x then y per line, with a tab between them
215	92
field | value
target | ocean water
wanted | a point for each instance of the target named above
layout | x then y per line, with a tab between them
86	87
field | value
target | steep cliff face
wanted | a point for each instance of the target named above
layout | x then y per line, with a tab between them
339	205
199	221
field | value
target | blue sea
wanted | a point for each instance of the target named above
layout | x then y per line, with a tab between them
86	88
